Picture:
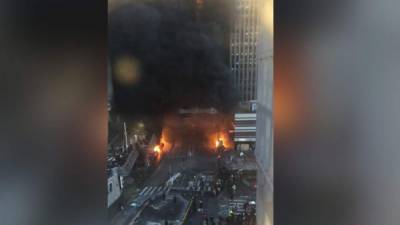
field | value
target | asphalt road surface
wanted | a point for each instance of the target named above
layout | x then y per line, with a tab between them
177	160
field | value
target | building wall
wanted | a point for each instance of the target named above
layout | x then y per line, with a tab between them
109	88
243	42
245	128
264	144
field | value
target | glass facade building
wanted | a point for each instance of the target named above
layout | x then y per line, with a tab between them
243	43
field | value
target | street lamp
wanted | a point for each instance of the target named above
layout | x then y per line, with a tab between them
140	125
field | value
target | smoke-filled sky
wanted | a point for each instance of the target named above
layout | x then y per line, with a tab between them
163	58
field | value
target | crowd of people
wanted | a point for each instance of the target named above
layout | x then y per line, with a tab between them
242	219
225	181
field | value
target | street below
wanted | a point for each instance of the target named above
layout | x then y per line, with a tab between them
192	186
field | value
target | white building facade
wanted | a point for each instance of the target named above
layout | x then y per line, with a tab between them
245	131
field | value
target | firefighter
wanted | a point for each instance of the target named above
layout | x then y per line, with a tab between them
230	213
220	220
200	205
194	205
212	222
205	221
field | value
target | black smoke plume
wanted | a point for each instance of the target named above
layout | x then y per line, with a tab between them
181	58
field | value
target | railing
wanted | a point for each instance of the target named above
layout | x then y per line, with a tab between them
187	211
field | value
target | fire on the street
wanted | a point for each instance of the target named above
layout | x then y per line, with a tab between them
157	149
219	143
220	140
164	145
210	131
165	140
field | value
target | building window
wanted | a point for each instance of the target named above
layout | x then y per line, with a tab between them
110	187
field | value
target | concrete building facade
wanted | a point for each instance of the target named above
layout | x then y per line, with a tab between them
264	144
243	43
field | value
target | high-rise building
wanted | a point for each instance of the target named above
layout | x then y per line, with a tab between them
243	42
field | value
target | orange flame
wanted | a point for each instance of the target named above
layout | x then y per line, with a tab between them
157	149
165	141
217	143
221	139
207	131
